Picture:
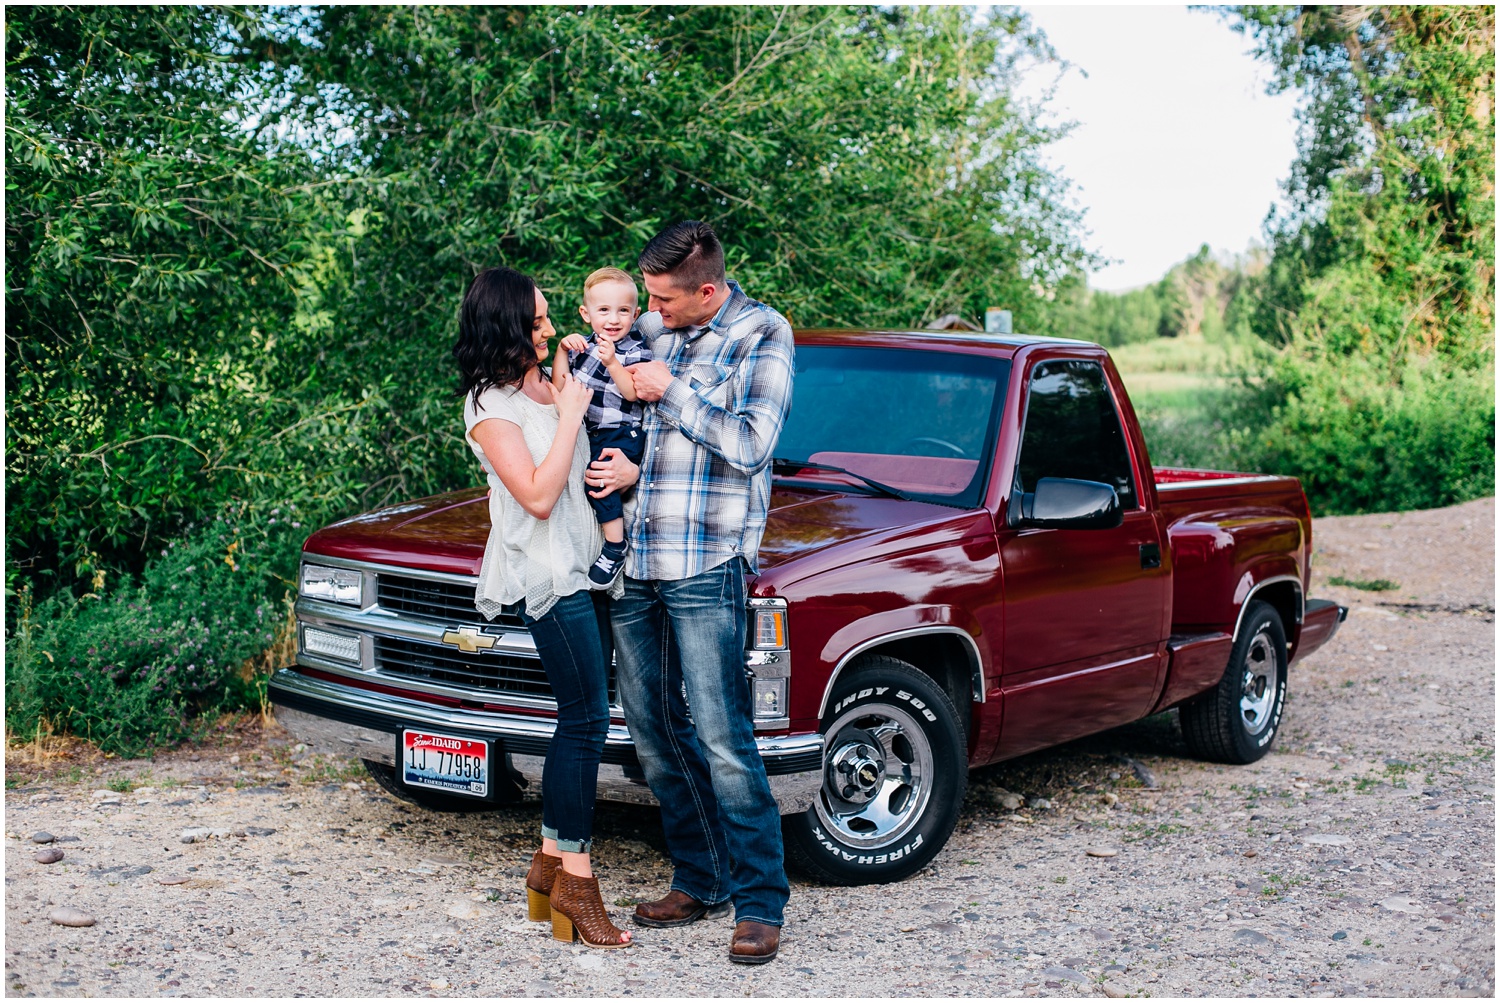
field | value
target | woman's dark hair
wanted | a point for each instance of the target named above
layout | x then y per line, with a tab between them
494	347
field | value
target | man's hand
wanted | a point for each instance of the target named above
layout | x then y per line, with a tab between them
574	343
651	379
610	472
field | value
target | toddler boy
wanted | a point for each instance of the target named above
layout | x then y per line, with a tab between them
610	307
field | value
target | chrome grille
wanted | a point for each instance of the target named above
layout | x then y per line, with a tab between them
502	674
435	600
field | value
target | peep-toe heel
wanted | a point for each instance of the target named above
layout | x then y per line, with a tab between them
578	914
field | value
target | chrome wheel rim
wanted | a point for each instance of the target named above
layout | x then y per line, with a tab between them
877	776
1259	680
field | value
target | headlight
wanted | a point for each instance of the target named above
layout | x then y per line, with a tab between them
768	628
769	696
769	662
330	645
333	584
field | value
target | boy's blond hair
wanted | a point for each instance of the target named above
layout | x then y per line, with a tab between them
600	275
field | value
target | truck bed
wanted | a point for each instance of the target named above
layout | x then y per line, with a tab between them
1229	532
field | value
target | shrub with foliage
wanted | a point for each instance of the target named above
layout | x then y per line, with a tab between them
132	664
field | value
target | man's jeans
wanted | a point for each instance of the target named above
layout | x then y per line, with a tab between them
722	826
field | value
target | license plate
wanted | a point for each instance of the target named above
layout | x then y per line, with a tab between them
445	763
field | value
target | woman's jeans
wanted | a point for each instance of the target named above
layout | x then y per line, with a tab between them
572	639
722	826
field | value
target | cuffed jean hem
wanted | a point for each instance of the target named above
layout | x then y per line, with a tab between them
567	845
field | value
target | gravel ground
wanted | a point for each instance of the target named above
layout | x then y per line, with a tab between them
1357	859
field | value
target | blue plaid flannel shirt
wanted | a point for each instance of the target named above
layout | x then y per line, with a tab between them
705	483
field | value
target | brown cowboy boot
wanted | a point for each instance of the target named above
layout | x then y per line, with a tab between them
676	908
578	913
544	868
754	943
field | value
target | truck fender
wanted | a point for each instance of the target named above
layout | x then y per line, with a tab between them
854	639
1255	581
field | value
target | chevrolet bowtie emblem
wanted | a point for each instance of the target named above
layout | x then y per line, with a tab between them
468	640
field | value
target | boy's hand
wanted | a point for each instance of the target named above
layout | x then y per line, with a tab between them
574	343
605	349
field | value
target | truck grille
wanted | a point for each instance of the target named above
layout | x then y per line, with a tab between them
514	675
435	601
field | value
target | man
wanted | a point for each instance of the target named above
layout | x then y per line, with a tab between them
721	385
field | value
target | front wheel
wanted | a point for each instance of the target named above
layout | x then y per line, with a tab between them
894	773
1237	720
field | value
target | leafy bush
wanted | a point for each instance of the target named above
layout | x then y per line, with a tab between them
132	666
1359	441
1362	443
1380	290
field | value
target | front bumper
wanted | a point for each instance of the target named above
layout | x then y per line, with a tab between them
346	720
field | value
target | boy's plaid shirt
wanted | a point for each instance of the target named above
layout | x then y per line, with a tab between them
705	483
608	408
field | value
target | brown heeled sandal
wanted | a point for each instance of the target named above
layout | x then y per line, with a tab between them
578	913
539	879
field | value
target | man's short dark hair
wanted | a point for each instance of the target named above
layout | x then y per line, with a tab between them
689	252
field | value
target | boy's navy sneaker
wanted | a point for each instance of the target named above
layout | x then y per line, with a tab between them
611	560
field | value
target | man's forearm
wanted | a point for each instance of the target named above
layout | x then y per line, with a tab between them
742	442
743	439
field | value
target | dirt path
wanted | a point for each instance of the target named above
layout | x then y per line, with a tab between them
1356	859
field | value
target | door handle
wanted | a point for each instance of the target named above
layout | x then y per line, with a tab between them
1150	555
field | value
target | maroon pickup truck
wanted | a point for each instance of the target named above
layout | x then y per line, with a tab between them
969	557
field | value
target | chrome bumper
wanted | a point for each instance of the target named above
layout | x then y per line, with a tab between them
348	721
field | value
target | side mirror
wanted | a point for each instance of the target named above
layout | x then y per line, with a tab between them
1065	503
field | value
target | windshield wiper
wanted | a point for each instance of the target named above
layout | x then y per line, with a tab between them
783	466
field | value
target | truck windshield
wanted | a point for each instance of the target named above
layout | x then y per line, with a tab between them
921	422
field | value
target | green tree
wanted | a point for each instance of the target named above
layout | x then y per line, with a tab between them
236	239
165	271
1380	290
865	166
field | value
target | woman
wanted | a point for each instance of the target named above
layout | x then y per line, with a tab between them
543	538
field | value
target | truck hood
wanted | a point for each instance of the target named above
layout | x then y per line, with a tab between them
440	533
806	531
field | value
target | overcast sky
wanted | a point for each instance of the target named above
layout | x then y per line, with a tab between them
1177	143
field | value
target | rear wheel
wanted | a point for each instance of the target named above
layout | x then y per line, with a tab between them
385	776
1237	720
894	773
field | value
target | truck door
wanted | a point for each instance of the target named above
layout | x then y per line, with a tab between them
1083	607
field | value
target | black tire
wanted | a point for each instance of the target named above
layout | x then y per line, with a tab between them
385	776
882	815
1237	720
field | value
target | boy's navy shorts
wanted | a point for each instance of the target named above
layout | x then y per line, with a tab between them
629	440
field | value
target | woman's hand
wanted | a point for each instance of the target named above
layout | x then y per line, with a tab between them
572	399
612	471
